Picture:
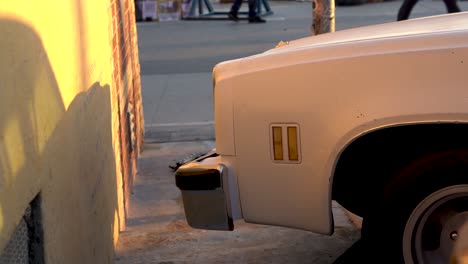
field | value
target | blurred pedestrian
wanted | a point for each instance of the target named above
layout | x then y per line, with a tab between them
253	16
408	5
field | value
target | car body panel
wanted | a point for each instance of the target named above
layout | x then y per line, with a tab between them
335	87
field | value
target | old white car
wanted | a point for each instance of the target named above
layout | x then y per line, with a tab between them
375	118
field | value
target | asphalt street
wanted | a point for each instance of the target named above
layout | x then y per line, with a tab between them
177	57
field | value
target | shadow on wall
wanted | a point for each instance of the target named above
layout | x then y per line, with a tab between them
64	154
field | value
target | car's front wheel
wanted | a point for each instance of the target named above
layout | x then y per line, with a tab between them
434	225
421	213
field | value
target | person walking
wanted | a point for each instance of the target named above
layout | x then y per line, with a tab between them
253	16
407	6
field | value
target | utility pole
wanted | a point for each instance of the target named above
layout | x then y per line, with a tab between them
323	16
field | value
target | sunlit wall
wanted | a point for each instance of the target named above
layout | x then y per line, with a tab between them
59	126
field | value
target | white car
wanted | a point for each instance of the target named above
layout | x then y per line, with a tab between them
375	118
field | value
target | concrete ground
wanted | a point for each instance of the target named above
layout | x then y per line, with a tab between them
158	233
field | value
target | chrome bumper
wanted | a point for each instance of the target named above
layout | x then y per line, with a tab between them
204	186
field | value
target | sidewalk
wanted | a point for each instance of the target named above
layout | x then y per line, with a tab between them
177	58
175	110
157	231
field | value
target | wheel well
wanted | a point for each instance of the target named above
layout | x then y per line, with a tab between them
370	162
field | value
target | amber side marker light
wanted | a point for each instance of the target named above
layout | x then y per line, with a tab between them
278	143
285	143
292	144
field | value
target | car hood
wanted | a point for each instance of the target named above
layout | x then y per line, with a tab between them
415	34
427	25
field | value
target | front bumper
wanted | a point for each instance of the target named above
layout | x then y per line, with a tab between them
204	186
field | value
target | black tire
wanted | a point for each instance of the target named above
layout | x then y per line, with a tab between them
383	230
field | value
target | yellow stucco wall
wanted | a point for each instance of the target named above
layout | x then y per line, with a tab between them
56	126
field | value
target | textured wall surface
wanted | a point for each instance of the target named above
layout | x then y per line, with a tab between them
70	108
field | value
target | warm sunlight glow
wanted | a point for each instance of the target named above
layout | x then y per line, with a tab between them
116	228
59	121
1	219
14	148
61	46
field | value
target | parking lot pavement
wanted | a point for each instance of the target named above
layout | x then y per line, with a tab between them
158	233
